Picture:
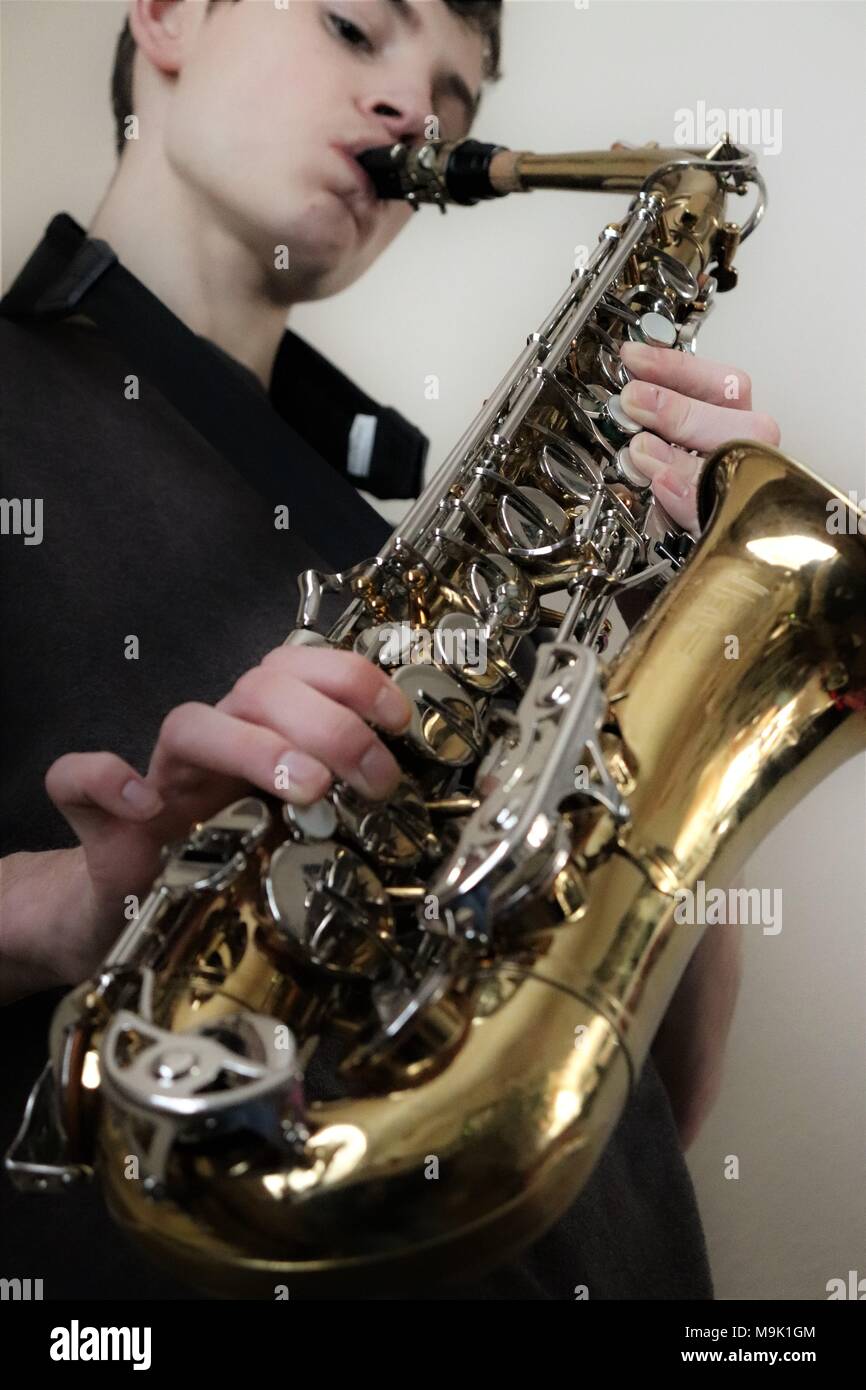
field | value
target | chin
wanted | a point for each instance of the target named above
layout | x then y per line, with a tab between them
325	254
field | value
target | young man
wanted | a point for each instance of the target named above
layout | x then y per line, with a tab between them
138	418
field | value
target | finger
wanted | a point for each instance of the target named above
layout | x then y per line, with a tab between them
693	424
285	738
197	742
346	677
679	497
101	782
699	377
327	730
89	787
674	476
652	455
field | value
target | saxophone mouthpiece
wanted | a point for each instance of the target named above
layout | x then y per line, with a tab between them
437	172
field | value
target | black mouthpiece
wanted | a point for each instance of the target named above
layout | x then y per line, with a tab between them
385	166
398	171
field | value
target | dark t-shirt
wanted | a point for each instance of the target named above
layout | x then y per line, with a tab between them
148	531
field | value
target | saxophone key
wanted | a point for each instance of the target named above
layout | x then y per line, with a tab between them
505	597
330	907
397	832
318	821
444	725
656	329
627	470
612	369
530	519
676	276
616	422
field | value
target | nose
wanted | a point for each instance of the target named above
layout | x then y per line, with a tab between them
403	115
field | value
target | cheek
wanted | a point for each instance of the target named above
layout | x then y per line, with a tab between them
221	121
246	99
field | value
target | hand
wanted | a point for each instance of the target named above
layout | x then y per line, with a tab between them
686	402
304	709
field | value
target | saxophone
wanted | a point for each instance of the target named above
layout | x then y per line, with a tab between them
372	1044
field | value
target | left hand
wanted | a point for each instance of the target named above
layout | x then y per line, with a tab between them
686	402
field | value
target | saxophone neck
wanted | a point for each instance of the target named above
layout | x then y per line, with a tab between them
690	184
621	169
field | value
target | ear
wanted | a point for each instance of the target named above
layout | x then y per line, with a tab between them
163	29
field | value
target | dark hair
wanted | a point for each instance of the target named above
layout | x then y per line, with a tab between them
485	16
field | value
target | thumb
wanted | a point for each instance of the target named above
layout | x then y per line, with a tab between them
92	789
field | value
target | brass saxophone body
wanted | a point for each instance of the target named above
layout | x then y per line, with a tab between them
487	956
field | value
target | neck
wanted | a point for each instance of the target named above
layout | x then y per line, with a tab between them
209	279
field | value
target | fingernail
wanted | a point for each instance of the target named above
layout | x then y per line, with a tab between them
141	797
303	773
649	453
673	482
376	770
652	446
641	400
391	708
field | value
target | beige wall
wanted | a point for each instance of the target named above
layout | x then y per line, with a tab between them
456	296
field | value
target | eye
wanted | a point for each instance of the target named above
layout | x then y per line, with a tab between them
349	31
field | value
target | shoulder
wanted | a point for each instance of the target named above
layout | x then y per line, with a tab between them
66	391
44	366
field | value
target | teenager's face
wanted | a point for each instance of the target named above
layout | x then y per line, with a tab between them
265	93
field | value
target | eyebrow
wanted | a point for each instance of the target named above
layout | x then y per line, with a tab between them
448	83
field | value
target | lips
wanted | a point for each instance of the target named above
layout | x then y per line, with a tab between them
362	178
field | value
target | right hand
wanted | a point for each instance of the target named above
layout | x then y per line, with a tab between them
305	708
